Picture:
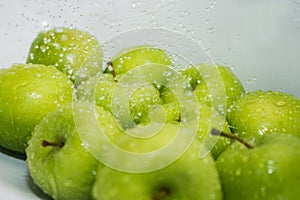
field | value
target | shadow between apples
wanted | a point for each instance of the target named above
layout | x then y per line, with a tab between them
35	189
12	153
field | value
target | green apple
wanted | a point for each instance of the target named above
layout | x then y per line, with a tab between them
138	56
214	85
27	93
104	91
188	177
98	90
263	112
170	104
192	74
130	86
172	112
58	160
269	170
72	51
208	118
212	89
211	118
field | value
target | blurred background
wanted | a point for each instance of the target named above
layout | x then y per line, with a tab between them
259	40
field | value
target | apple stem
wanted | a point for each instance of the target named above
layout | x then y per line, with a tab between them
46	144
231	136
112	70
161	194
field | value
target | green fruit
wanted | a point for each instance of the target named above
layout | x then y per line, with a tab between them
192	74
118	98
210	118
99	90
270	170
58	160
172	112
218	87
167	95
139	56
189	177
141	102
171	105
72	51
258	113
105	91
27	93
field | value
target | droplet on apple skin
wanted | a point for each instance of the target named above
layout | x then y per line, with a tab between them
28	92
72	51
263	112
63	167
136	56
214	85
183	179
271	165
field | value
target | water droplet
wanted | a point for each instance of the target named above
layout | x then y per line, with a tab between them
263	130
270	166
238	172
43	49
38	75
280	103
31	56
254	79
258	110
35	95
45	24
70	57
85	145
64	37
70	71
263	191
270	171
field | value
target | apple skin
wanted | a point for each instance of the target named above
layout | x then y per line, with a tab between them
192	74
218	87
214	85
263	112
72	51
98	90
138	56
211	118
65	172
171	105
102	90
270	170
27	93
189	177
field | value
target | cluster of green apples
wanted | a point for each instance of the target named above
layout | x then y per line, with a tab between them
29	91
143	128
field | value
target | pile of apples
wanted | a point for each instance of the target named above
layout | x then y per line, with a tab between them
143	128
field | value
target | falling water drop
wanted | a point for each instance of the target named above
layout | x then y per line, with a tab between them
45	24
